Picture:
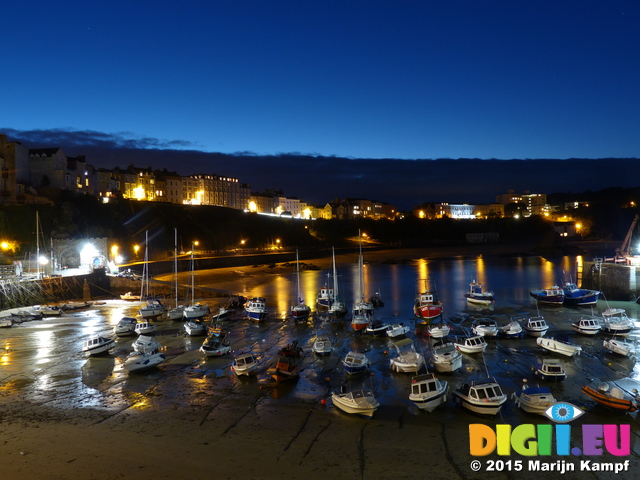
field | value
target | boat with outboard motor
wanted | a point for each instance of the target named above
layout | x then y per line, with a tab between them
360	402
97	345
428	392
533	399
481	396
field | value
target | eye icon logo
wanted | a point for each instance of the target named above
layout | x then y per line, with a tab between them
563	412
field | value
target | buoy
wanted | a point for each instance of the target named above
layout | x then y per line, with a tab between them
323	401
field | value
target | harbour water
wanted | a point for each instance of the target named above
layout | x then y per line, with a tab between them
42	363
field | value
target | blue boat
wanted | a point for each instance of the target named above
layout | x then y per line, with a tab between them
549	296
256	309
355	363
579	296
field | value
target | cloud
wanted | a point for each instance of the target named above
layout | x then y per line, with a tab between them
320	179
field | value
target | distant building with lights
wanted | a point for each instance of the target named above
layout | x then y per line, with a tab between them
432	211
533	203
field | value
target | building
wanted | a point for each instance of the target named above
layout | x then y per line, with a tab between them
459	211
14	169
533	203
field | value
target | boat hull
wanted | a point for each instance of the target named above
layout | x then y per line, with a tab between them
619	404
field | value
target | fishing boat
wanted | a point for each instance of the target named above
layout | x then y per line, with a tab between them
360	322
145	343
621	347
324	298
475	344
215	346
300	311
97	345
559	345
533	399
549	369
579	297
445	357
195	327
244	364
145	328
360	402
427	306
512	329
377	327
322	345
612	397
536	326
549	296
485	327
355	363
138	362
256	309
481	396
428	392
477	295
361	308
397	329
587	326
286	368
616	322
407	360
125	327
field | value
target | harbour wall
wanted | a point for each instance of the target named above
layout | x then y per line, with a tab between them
615	281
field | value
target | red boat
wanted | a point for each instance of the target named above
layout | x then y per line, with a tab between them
611	397
360	322
427	305
285	369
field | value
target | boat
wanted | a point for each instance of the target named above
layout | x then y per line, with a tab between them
126	326
377	327
428	392
376	300
533	399
224	313
559	345
485	327
361	308
26	315
438	330
579	297
256	309
145	343
215	346
337	307
549	296
612	397
48	310
244	364
300	311
397	329
216	329
587	326
481	396
144	328
408	360
97	345
138	362
621	347
360	402
291	350
324	298
616	322
153	308
73	306
445	357
6	322
475	344
195	310
511	330
355	363
177	312
536	326
477	295
286	368
194	327
549	369
360	322
322	345
427	306
131	297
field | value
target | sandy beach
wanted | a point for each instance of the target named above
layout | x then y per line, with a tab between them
153	427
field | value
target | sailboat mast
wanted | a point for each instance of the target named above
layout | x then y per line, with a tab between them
361	270
335	274
193	278
37	244
175	262
144	288
299	299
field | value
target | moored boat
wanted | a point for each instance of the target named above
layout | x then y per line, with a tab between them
256	309
286	368
428	392
559	345
377	327
438	329
126	326
97	345
621	347
474	344
360	402
196	311
407	360
549	369
195	327
536	326
360	322
322	345
579	297
616	322
300	311
549	296
478	295
145	328
397	329
355	363
485	327
612	397
244	364
151	310
224	313
427	306
481	396
533	399
445	357
587	326
511	330
138	362
215	346
145	343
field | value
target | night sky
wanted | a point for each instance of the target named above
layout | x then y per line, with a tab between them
131	82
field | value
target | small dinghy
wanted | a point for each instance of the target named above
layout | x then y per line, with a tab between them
408	360
194	327
355	363
397	329
377	327
97	345
359	402
138	362
621	347
512	329
428	392
612	397
322	345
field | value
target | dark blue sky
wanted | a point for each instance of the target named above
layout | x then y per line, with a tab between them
358	79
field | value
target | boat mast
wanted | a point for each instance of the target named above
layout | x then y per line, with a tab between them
193	277
144	288
299	299
335	275
175	262
37	244
361	268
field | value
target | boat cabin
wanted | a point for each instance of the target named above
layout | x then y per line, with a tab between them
483	391
422	384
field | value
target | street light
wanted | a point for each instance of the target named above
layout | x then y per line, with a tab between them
136	249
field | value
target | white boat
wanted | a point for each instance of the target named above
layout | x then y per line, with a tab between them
138	362
322	345
130	296
475	344
478	295
587	326
194	327
533	399
300	311
176	313
377	327
445	357
361	307
481	396
621	347
215	346
397	329
408	360
152	309
224	313
355	363
196	311
126	326
428	392
145	328
616	322
256	309
536	327
485	327
244	364
6	323
511	329
360	402
145	344
549	369
559	345
97	345
438	330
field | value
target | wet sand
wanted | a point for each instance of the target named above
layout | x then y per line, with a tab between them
193	419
